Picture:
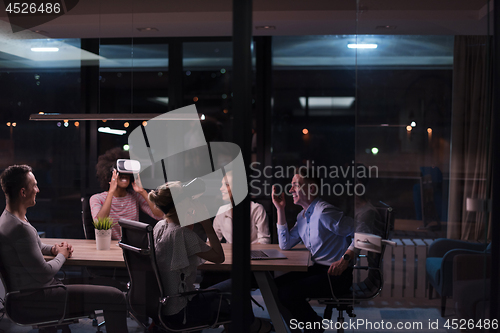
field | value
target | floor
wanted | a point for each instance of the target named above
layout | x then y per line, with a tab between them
373	316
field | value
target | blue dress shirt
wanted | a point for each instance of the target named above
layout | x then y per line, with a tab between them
322	228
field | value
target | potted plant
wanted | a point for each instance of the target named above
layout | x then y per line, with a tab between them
102	227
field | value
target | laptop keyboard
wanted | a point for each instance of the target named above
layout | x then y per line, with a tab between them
257	254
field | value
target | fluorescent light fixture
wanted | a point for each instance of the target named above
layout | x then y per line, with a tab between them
45	49
327	102
160	100
111	131
362	46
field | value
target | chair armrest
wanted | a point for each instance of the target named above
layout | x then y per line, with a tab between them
440	246
31	290
446	278
471	267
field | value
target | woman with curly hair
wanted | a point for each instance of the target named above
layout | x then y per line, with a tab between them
123	197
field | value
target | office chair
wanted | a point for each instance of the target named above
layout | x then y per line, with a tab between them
88	227
146	297
371	286
43	322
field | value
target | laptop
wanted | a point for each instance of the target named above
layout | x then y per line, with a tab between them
266	254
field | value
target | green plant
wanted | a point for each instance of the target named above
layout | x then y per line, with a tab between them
103	223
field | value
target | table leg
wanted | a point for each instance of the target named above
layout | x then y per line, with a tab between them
270	295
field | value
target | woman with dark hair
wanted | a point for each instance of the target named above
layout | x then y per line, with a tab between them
179	252
21	255
123	195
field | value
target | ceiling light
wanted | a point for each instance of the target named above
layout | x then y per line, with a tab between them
45	49
327	102
362	46
265	27
111	131
147	29
413	124
161	100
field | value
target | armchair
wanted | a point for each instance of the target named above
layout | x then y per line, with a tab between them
439	265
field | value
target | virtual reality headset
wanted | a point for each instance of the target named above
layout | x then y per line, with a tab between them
128	166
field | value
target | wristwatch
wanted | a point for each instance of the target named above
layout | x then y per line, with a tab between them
347	257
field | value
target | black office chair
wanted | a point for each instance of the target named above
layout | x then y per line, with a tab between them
373	283
41	321
145	296
88	227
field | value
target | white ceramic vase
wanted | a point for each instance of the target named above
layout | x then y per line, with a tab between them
103	239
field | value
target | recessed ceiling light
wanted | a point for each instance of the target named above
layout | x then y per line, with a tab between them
44	49
265	27
40	31
147	29
362	46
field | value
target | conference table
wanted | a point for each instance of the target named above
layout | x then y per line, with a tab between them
298	259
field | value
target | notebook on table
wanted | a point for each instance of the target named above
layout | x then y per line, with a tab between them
266	254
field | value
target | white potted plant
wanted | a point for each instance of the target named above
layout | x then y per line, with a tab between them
102	227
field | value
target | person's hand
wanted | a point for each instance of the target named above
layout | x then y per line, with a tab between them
278	200
338	267
137	185
114	181
63	249
69	246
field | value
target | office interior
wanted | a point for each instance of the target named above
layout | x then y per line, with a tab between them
407	88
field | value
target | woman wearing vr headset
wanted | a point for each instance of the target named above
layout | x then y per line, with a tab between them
123	195
179	252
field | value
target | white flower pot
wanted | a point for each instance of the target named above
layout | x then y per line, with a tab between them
103	239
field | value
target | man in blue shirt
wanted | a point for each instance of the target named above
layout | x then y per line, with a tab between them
324	230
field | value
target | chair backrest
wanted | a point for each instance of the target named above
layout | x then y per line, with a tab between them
145	290
88	227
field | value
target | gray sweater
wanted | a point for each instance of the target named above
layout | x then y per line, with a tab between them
21	254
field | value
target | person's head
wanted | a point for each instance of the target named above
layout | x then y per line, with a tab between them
162	198
105	165
305	187
227	183
19	185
